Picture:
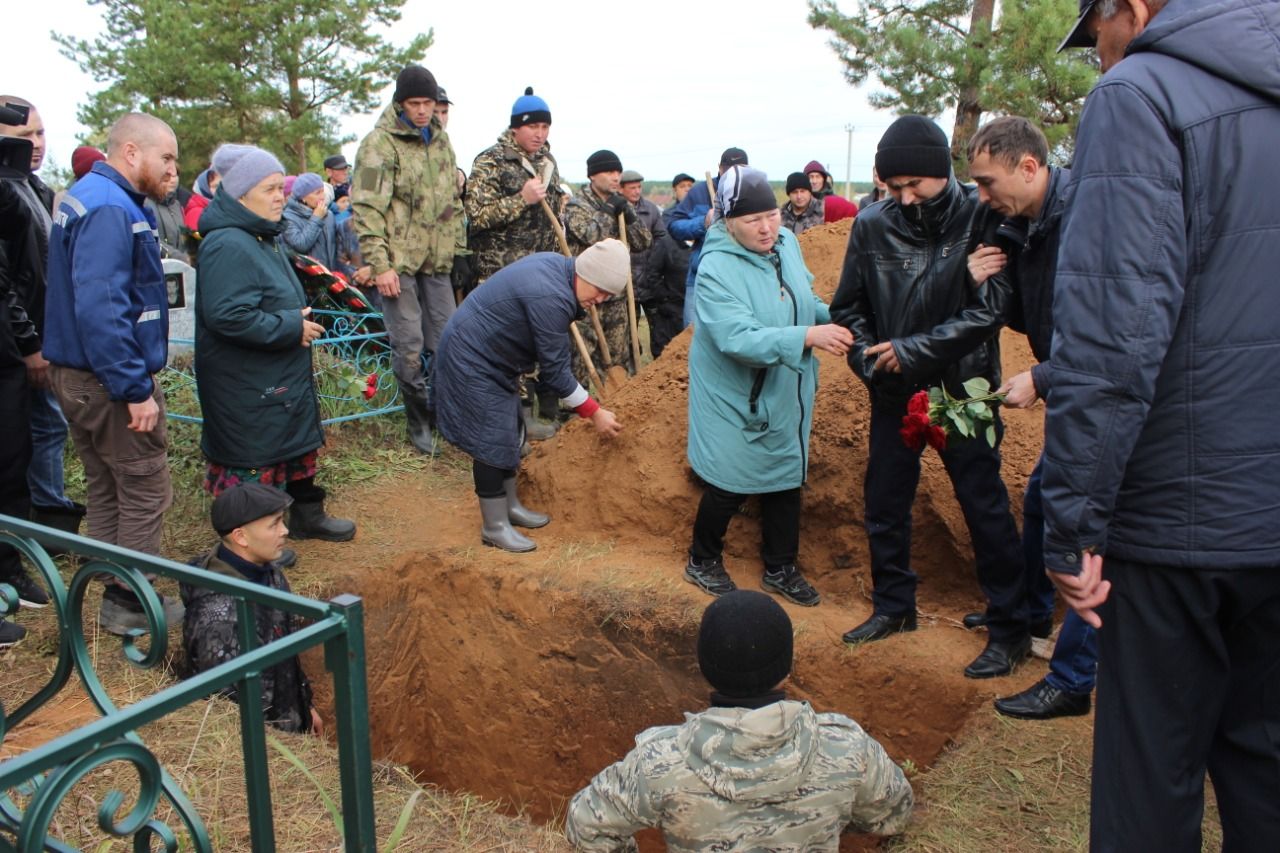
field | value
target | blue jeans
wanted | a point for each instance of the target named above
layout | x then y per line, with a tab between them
48	438
688	303
1074	666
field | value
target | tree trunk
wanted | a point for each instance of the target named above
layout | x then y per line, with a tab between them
968	105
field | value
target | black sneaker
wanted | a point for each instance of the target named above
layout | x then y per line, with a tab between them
709	575
30	593
787	582
10	633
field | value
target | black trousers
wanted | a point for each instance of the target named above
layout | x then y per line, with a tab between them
893	473
779	525
490	480
15	456
1188	680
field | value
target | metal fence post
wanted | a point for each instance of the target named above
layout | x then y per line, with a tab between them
344	657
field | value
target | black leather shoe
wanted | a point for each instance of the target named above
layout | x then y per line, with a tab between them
999	658
879	626
975	620
1041	701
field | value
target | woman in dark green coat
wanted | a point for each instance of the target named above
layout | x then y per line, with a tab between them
253	346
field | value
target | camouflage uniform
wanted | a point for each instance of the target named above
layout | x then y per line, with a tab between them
777	778
407	209
503	228
587	221
209	638
813	215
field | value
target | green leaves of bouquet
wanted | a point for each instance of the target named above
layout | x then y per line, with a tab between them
934	415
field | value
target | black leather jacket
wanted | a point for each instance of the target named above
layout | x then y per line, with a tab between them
905	279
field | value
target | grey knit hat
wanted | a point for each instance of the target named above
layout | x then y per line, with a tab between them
243	167
305	184
606	265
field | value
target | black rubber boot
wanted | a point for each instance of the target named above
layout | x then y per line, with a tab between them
518	513
308	520
497	530
418	422
59	518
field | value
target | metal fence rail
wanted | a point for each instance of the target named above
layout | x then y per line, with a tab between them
353	373
45	776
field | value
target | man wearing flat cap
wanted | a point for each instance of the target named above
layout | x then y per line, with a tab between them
249	521
409	219
592	216
756	770
918	321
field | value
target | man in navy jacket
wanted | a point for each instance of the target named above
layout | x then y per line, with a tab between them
106	338
690	219
1161	453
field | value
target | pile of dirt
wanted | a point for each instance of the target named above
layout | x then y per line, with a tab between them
640	487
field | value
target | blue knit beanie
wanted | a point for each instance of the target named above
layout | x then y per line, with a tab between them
529	109
243	167
305	184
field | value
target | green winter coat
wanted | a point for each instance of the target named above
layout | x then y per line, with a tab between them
404	195
254	376
748	342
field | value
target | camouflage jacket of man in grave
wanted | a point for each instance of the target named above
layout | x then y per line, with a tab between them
777	778
502	227
588	220
405	199
209	638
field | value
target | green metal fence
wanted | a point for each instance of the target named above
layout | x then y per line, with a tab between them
43	777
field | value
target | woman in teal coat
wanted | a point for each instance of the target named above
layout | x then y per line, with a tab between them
752	379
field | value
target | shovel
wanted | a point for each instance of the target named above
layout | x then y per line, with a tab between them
631	297
595	318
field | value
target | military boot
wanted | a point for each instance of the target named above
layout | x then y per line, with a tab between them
418	422
497	531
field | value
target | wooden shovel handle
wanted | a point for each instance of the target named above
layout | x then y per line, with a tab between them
631	298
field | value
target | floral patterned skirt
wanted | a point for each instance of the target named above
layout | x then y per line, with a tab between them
219	478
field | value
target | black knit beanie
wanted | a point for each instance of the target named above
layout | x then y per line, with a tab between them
797	181
914	146
744	644
603	160
415	82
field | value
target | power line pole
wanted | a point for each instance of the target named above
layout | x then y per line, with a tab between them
848	164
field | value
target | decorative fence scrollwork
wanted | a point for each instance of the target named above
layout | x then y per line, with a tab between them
42	778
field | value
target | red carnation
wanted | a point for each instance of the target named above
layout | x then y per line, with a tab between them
370	386
918	404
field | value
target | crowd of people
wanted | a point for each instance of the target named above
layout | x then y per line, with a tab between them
1140	276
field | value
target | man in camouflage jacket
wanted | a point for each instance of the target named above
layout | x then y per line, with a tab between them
409	220
756	771
592	216
508	183
249	520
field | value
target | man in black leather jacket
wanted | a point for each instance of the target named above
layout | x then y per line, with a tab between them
919	321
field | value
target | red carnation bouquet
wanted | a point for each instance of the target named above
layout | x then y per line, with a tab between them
934	414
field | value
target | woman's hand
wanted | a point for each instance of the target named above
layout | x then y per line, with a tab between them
606	423
310	330
832	338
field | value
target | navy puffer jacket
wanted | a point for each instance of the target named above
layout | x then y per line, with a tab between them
1161	445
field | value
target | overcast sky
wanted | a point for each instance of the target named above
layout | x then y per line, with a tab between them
666	84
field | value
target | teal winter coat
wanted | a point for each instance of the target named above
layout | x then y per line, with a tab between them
751	379
253	375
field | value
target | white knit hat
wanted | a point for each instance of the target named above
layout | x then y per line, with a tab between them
606	265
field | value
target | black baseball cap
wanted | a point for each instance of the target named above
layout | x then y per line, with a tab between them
1079	35
244	503
337	161
733	157
444	96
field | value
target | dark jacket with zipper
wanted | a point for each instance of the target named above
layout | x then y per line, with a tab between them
1160	438
254	376
905	279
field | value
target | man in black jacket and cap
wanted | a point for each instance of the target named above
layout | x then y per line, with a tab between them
918	321
1162	524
